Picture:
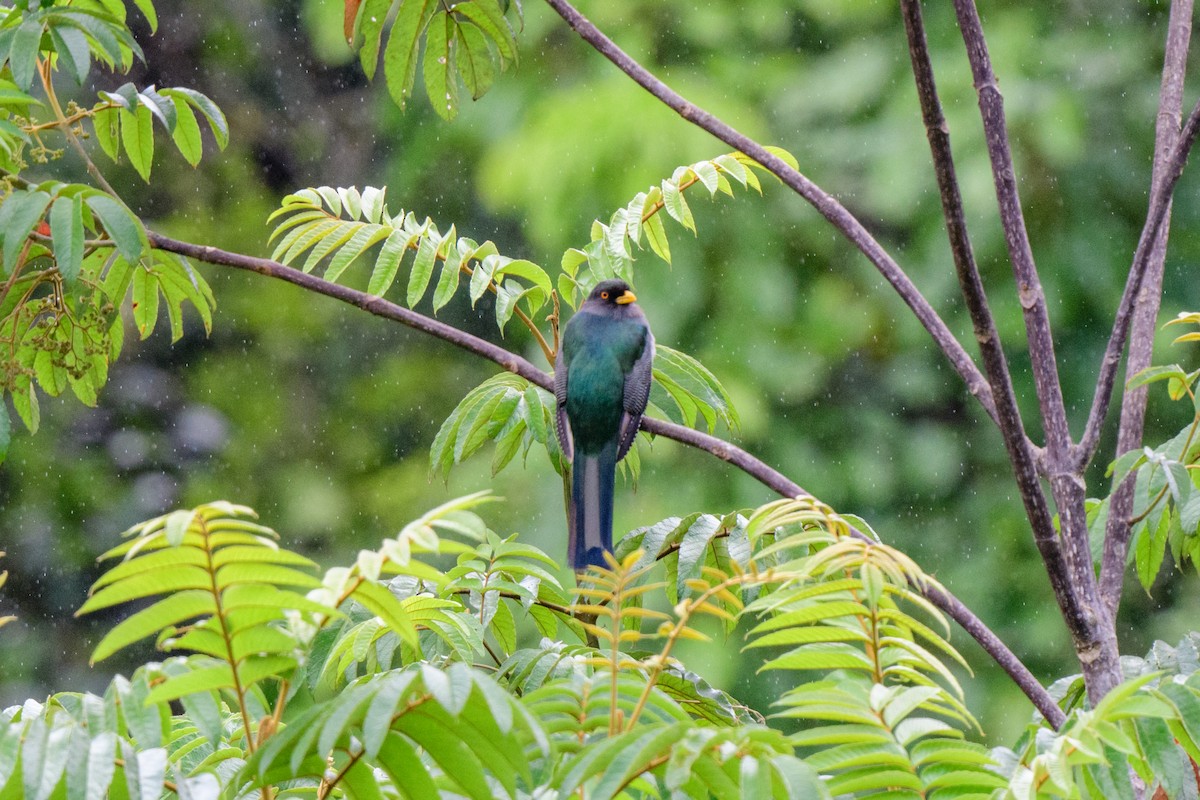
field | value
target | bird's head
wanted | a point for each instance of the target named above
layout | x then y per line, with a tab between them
612	293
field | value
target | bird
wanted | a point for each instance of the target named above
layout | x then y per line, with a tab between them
602	377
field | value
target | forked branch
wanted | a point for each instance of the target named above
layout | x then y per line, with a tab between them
1021	452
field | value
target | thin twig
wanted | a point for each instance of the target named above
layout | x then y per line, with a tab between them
93	170
1145	315
837	214
769	477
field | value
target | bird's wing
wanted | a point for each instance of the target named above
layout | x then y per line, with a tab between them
637	394
560	396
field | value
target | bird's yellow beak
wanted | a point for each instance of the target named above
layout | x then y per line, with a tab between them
626	298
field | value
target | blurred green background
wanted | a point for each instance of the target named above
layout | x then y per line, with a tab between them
321	417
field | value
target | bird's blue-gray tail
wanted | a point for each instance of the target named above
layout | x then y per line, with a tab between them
590	516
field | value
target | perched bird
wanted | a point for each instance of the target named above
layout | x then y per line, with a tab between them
602	383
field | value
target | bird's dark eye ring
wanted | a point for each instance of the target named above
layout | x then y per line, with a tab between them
604	295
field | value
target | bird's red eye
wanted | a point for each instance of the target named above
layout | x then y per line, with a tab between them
604	295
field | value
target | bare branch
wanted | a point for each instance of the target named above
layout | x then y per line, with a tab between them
1145	315
1086	615
1029	287
1021	451
1156	219
769	477
999	651
830	208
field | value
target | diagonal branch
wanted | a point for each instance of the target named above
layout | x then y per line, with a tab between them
830	208
1170	154
769	477
1145	315
1156	221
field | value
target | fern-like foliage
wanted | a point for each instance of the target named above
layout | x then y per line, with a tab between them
448	662
225	590
505	409
342	224
122	744
416	732
885	712
610	253
517	415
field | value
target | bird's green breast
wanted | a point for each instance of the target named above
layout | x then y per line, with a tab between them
599	352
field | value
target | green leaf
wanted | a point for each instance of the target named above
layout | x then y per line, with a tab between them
107	125
171	610
19	214
74	55
66	233
406	769
449	751
137	134
474	60
383	604
488	15
23	53
364	238
527	270
145	300
656	235
1152	374
160	106
387	263
214	115
204	679
1150	550
187	134
422	269
447	283
677	206
439	67
400	55
369	24
122	226
693	548
51	376
147	9
360	782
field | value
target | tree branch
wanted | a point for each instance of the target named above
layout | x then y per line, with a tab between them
1086	614
1021	452
1145	316
769	477
1029	287
830	208
1156	219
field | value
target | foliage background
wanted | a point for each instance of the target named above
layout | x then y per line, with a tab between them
321	417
